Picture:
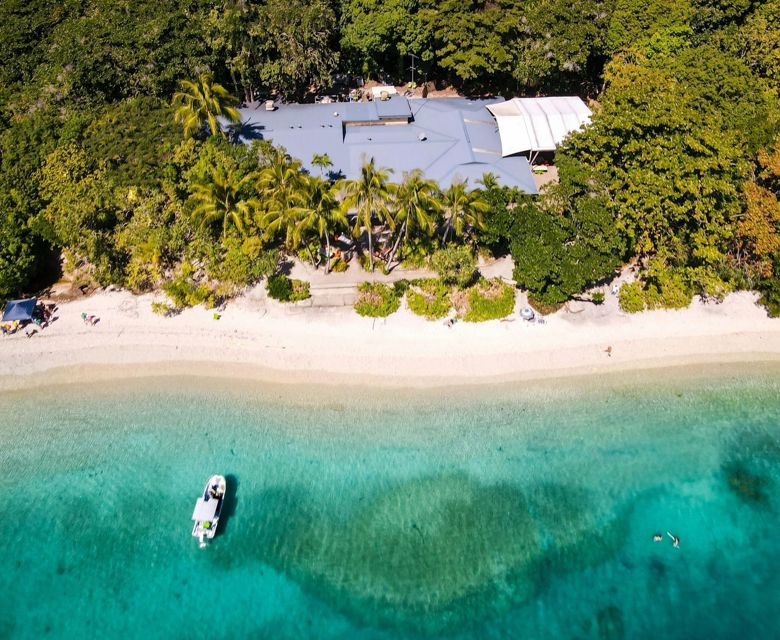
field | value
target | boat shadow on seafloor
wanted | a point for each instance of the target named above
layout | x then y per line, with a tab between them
229	503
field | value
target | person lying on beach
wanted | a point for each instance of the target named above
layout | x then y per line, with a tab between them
90	320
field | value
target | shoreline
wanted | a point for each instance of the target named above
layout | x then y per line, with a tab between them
260	340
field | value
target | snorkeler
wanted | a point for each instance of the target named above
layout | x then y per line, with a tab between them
675	540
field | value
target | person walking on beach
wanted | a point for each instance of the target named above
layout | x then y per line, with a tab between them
608	351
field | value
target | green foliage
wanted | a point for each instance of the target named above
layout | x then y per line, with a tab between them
455	265
486	300
598	297
163	309
17	258
201	103
376	34
293	38
631	297
429	298
474	39
660	287
376	300
243	262
285	289
369	196
338	265
572	243
633	23
132	139
544	308
499	217
400	287
92	51
770	290
184	291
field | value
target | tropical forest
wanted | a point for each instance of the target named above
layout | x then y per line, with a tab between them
119	163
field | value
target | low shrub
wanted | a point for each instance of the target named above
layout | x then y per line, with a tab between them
285	289
542	307
338	265
598	297
163	309
486	300
658	288
429	298
376	300
401	287
631	297
243	262
455	265
185	292
709	285
365	263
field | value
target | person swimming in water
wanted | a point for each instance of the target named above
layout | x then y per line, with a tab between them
675	540
657	537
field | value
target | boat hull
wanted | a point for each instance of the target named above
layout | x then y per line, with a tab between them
208	508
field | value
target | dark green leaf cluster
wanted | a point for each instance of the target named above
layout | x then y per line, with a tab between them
429	298
455	265
487	300
285	289
376	300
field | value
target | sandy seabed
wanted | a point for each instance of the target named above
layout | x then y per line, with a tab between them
256	338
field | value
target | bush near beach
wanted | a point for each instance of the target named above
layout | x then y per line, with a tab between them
376	300
285	289
486	300
455	265
184	291
429	298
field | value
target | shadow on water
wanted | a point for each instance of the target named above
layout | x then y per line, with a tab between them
229	503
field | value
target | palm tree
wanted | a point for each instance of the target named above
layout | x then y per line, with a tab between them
368	196
222	199
488	181
269	154
323	161
462	209
318	214
280	180
417	204
279	183
203	101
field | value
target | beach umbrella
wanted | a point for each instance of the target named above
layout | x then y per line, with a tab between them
526	313
20	310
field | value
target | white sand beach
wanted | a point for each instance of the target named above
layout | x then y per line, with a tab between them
259	338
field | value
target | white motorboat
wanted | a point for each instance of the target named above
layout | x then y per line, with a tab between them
208	508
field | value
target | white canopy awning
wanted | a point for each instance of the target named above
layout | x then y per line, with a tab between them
537	124
205	509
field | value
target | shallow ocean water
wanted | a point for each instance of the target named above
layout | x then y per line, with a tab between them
522	510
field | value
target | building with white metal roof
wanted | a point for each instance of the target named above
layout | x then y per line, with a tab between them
530	125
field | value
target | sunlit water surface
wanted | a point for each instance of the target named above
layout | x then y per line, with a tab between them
519	511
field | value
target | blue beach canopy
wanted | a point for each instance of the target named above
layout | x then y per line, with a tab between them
19	310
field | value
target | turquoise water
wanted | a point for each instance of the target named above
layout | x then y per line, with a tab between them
522	511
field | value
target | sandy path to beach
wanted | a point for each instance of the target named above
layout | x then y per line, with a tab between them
261	338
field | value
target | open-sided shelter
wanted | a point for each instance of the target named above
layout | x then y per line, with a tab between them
21	310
